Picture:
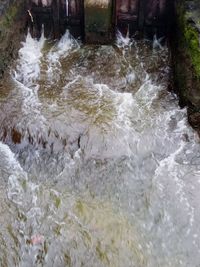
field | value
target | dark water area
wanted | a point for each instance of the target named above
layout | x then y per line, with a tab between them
98	165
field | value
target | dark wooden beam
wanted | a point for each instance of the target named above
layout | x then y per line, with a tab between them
56	18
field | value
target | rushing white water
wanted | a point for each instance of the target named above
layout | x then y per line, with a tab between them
98	165
28	68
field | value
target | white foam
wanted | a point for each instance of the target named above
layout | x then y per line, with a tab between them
131	78
28	68
66	44
15	190
8	160
26	77
13	174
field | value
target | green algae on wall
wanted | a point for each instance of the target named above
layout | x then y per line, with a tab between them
188	22
9	16
11	27
192	39
187	56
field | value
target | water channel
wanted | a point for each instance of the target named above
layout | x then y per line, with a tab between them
98	165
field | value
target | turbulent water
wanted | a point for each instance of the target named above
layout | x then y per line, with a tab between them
98	166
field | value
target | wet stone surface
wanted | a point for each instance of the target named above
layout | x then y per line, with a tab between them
186	57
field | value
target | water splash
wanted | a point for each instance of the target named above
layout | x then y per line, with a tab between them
157	42
120	183
124	42
28	67
60	50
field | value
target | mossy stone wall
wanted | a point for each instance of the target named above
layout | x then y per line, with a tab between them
186	57
12	27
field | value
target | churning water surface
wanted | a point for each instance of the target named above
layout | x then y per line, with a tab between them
98	166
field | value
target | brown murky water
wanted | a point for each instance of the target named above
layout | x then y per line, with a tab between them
98	165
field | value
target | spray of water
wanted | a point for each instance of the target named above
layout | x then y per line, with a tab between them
112	177
124	42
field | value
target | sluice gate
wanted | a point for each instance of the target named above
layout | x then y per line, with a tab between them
96	21
146	16
56	16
